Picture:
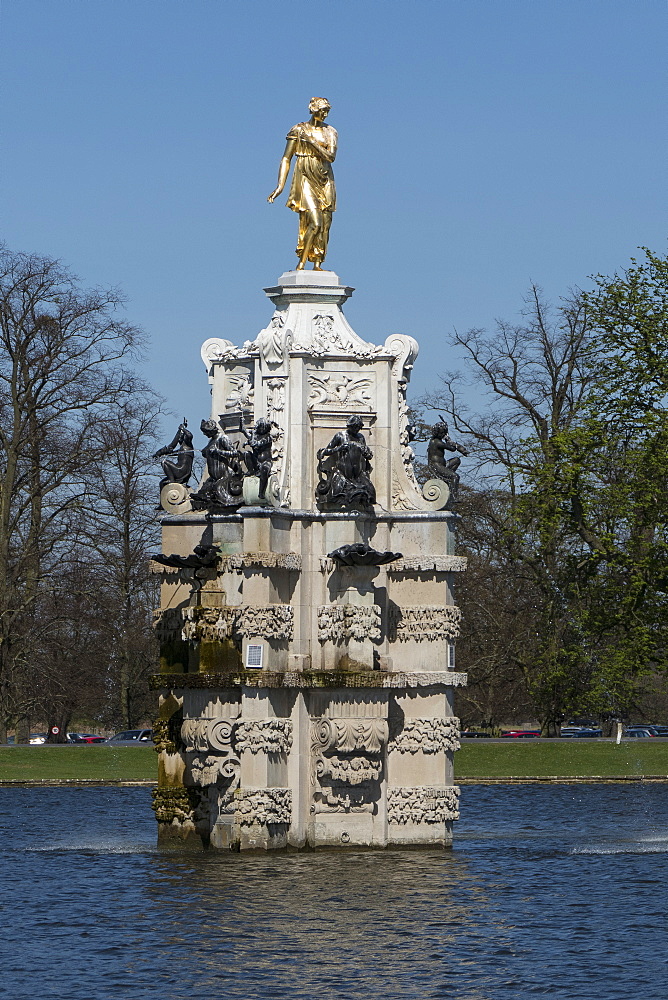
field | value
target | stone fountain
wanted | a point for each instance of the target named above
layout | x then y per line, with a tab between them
307	634
307	624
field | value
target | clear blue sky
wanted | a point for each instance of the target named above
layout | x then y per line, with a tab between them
482	144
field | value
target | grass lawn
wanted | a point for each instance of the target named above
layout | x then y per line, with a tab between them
93	762
570	759
525	758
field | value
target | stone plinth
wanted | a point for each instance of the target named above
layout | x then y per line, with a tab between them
305	702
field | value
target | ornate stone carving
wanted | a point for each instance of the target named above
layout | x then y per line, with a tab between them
241	395
263	806
349	735
336	390
216	349
347	763
213	760
275	389
275	397
429	621
426	564
175	804
175	499
197	623
215	768
337	622
322	333
162	737
352	770
269	560
205	735
433	678
404	350
400	499
264	736
231	737
272	621
343	799
406	434
167	623
437	493
208	624
320	680
426	735
274	342
422	804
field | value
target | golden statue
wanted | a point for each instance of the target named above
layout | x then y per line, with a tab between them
312	192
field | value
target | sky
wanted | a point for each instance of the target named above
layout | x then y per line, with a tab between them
483	145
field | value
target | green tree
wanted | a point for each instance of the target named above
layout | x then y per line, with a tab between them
615	480
574	441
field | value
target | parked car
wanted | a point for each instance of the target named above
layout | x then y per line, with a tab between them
131	737
654	730
85	738
521	734
36	739
474	734
660	730
580	732
638	733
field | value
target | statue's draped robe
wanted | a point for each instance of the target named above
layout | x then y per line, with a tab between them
312	192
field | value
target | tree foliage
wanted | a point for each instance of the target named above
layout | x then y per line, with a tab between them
572	446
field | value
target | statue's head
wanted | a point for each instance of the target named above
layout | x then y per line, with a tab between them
262	427
319	106
355	424
210	428
440	429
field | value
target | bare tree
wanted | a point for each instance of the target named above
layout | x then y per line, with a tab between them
122	528
66	359
535	378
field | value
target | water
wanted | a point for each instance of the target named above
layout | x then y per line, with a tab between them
556	891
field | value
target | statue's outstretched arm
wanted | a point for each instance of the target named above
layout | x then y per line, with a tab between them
283	169
170	449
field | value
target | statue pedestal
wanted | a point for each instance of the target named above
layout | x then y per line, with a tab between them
311	703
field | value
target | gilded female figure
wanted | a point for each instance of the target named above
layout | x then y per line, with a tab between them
312	192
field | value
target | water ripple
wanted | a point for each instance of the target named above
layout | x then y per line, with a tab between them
542	886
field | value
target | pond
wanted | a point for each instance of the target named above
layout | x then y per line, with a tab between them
556	891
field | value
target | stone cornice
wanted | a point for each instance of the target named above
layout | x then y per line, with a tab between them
308	679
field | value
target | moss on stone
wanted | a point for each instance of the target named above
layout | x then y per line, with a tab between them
270	679
174	657
218	656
